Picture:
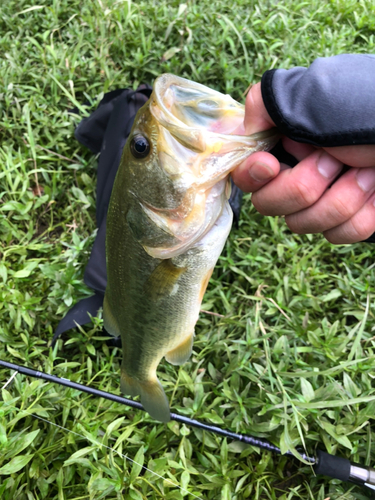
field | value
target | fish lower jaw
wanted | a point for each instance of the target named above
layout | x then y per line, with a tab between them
177	250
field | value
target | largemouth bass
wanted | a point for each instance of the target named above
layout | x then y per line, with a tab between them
167	223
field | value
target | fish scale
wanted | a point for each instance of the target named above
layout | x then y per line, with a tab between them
168	220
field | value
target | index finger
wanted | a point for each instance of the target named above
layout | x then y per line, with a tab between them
256	118
266	166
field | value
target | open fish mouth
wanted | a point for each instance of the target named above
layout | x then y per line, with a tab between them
200	117
197	148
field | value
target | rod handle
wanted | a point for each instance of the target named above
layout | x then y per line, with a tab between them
341	468
332	466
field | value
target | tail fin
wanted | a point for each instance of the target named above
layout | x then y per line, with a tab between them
152	394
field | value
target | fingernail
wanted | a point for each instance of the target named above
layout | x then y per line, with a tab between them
328	166
261	172
366	178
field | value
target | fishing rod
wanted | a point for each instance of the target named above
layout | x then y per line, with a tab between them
324	463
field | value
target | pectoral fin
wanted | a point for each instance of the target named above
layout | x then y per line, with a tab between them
163	280
152	394
182	352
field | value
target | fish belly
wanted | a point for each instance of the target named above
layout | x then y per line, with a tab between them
154	305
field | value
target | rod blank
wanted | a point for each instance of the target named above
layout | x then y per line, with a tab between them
326	464
251	440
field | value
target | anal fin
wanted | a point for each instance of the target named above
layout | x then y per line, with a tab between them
152	394
180	354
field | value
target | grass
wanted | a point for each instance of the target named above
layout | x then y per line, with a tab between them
292	358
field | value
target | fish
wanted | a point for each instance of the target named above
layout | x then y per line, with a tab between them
167	223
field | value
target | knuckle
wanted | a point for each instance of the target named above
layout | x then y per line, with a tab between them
356	229
265	204
294	224
331	238
360	228
260	206
342	210
304	195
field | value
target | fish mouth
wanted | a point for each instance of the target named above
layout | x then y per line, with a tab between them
197	147
190	110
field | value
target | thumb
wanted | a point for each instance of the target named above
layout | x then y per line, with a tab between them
256	118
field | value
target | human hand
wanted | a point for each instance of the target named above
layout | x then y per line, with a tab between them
344	211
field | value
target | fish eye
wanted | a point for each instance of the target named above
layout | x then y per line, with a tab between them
139	146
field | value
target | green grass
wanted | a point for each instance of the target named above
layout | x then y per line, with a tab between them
292	358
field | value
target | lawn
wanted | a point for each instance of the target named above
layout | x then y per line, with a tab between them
288	354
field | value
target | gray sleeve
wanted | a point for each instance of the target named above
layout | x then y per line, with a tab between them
330	103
